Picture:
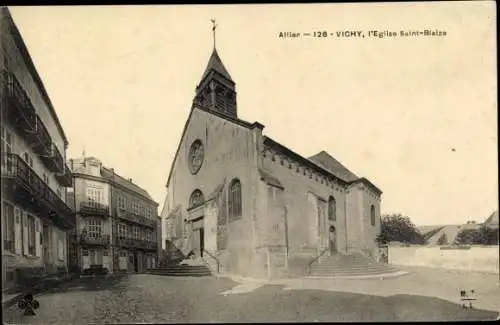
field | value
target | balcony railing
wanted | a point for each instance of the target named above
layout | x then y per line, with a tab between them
42	143
135	218
19	110
13	167
101	240
66	177
54	160
137	243
94	208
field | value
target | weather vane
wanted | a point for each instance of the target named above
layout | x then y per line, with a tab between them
214	26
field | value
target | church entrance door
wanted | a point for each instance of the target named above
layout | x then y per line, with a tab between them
332	240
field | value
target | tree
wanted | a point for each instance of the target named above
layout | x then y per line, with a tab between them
396	227
480	236
442	240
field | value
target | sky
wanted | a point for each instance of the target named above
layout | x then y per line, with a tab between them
417	115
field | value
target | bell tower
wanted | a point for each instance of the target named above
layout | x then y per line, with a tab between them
216	90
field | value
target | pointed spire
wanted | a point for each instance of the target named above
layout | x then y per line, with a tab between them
215	63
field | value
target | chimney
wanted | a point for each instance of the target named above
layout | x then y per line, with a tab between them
130	180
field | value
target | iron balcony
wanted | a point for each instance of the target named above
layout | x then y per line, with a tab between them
19	111
54	160
28	190
94	208
65	178
137	243
135	218
102	240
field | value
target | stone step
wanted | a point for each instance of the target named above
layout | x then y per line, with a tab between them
193	274
353	271
317	269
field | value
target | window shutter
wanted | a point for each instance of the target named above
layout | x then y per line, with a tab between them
38	248
18	242
25	233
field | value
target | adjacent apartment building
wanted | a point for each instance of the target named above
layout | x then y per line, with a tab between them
35	176
117	221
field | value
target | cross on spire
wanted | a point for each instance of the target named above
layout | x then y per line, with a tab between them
214	26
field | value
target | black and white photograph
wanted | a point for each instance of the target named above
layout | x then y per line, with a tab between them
249	163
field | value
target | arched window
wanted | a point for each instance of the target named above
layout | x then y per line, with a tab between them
372	214
197	198
332	209
234	200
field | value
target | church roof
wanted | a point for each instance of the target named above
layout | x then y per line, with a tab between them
334	166
492	219
215	64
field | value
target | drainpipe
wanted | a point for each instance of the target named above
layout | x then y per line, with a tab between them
346	232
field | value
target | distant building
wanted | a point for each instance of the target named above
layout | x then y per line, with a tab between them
117	221
492	221
257	205
35	216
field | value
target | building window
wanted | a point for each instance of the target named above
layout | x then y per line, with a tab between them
122	230
122	202
196	199
234	201
332	209
8	227
95	197
94	227
31	235
372	214
136	232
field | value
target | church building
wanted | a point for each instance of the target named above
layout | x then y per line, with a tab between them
249	205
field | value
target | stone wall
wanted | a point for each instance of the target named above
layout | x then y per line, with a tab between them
477	258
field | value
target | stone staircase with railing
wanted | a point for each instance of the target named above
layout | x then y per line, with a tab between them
354	265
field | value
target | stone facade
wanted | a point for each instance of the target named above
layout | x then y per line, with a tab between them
35	177
262	210
117	221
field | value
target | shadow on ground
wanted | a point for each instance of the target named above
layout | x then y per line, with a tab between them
89	284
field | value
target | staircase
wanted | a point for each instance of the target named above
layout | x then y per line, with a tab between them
192	268
349	266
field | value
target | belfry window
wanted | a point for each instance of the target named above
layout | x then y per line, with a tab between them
332	209
197	198
234	200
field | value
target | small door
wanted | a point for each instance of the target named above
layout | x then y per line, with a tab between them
332	240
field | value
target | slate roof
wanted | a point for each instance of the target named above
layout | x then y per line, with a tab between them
492	219
333	166
215	64
110	175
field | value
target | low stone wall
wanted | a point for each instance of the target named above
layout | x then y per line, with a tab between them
476	258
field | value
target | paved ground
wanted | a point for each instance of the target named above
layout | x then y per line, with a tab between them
157	299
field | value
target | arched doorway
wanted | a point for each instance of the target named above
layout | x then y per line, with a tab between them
332	240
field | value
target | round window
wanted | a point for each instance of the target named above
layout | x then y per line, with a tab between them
196	155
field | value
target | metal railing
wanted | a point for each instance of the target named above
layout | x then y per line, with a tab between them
315	259
135	218
214	258
20	110
137	243
94	208
18	170
96	240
